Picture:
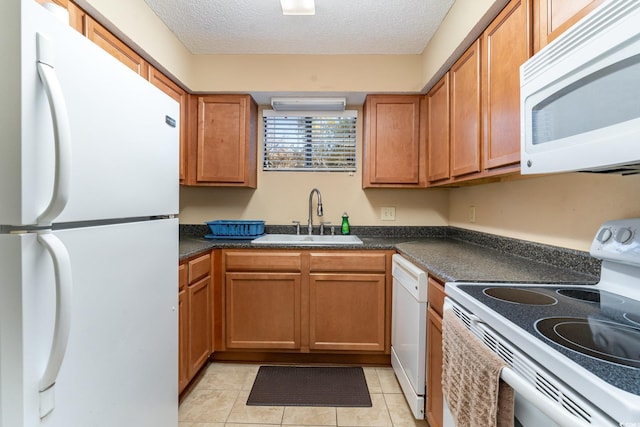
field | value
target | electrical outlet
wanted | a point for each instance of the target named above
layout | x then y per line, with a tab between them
472	214
388	214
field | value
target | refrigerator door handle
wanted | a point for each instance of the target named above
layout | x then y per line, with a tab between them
61	130
62	272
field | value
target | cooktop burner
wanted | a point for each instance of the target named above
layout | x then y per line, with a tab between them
604	340
519	296
596	329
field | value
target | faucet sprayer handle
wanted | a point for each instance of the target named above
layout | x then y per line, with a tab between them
322	224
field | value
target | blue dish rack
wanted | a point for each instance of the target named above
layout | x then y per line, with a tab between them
235	229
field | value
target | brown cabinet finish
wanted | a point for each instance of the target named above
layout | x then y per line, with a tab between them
553	17
226	147
465	113
263	310
262	261
373	262
114	46
435	397
306	301
166	85
194	317
347	312
183	329
438	130
199	324
506	44
394	150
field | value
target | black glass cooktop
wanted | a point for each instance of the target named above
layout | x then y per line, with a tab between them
596	329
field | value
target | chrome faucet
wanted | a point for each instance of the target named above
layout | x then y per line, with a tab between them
319	211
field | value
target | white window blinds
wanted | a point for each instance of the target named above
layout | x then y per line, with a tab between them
309	141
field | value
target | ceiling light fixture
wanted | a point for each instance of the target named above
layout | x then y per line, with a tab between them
298	7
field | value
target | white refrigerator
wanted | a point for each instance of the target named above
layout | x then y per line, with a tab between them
88	237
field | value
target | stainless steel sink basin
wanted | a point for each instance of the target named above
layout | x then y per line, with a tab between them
306	240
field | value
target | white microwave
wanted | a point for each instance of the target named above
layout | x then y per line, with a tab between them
580	96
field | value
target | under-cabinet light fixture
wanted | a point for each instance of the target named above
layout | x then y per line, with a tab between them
298	7
308	104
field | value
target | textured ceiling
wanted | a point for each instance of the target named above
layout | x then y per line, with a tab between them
338	27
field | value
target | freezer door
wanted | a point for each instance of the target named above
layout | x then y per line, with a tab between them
121	361
120	148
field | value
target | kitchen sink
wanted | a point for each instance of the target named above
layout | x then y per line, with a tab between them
307	240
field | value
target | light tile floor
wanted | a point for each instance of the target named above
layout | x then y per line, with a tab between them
219	400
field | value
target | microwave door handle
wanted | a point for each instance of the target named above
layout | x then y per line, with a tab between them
61	130
62	273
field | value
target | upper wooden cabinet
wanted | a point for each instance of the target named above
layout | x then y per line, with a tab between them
438	130
553	17
109	42
224	144
465	113
394	150
506	44
176	92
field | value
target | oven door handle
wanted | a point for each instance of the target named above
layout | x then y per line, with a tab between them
529	393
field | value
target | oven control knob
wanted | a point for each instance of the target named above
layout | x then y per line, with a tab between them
604	235
624	236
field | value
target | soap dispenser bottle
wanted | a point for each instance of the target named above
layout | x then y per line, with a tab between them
345	223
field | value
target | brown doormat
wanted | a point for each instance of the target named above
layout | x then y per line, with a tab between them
309	386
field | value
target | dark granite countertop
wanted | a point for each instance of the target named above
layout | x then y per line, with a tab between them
449	253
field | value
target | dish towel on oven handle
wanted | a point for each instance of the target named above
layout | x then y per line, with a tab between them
471	378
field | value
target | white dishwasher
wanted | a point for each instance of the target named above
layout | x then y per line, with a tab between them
409	331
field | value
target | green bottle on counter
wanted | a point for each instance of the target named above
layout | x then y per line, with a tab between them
345	223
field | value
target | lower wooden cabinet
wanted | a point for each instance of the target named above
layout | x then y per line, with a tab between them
262	310
307	301
183	328
347	312
435	398
194	317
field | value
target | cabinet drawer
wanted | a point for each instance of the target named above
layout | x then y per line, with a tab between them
346	261
199	267
261	261
182	277
436	295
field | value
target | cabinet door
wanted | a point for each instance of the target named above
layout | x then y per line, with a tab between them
199	324
438	130
553	17
165	84
110	43
262	310
434	368
77	17
347	312
394	152
183	340
226	140
465	112
506	45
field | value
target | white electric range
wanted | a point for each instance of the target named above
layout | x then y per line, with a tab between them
575	350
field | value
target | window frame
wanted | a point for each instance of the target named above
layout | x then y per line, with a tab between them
351	114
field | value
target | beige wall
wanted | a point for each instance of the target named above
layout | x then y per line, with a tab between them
563	210
133	21
282	197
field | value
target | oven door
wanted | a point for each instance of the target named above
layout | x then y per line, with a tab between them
540	399
525	415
